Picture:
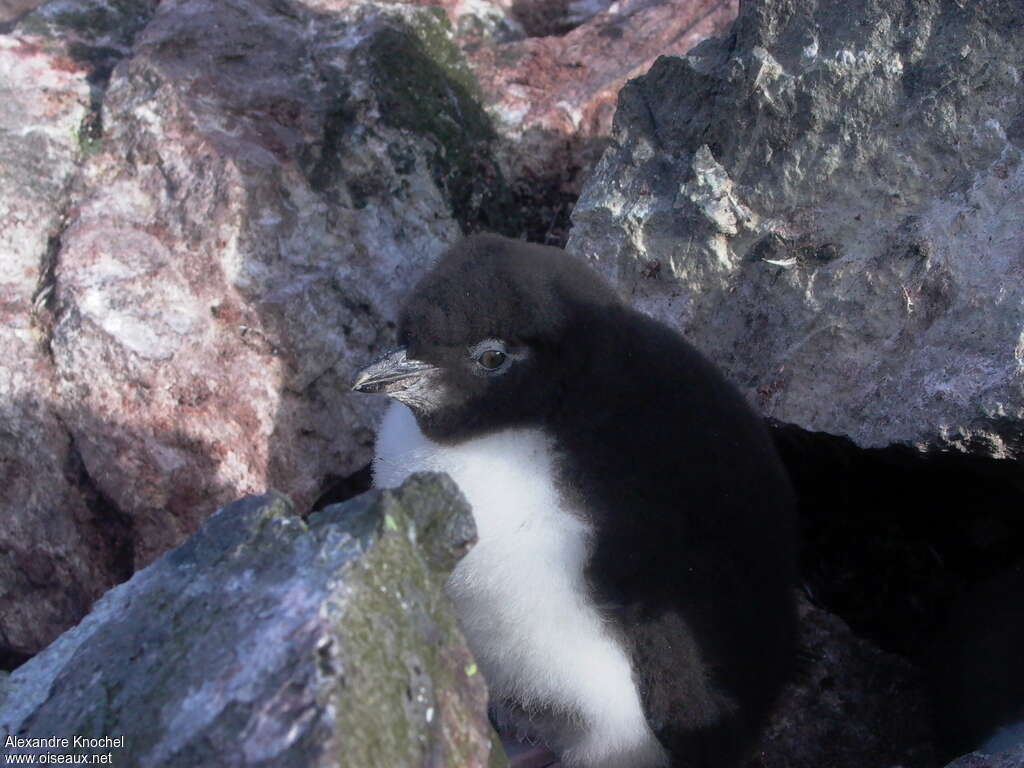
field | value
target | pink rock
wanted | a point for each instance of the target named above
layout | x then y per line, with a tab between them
553	96
210	270
213	302
58	549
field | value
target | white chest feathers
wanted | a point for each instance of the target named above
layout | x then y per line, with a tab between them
521	595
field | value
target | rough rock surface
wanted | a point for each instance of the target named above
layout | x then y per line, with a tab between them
829	202
231	255
552	97
1013	758
61	544
266	640
210	209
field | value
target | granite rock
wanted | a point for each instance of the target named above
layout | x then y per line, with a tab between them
62	544
211	209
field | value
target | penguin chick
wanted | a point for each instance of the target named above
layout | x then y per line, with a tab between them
630	598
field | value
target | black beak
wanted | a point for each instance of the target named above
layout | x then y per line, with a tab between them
390	374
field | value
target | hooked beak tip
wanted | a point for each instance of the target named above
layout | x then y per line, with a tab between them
362	381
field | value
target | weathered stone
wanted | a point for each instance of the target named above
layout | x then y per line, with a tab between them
264	639
552	97
211	210
1013	758
829	202
61	544
235	251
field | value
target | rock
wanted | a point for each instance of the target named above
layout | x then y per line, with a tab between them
62	545
829	203
851	705
264	639
481	22
552	97
1013	758
12	9
280	212
215	207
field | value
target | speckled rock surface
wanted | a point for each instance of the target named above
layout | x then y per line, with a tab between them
552	97
61	545
210	210
266	640
234	252
829	203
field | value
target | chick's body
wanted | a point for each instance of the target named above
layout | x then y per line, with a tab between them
629	599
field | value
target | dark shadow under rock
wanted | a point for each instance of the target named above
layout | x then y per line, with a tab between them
852	705
892	536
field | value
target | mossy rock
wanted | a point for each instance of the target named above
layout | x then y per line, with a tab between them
274	640
424	87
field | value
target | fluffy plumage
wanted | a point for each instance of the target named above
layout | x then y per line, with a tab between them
630	599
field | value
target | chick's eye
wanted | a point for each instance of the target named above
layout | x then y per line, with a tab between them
491	359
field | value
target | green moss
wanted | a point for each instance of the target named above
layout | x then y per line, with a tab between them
90	135
398	638
424	86
498	757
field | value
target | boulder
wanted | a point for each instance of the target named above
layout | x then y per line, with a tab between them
211	210
267	640
234	250
828	202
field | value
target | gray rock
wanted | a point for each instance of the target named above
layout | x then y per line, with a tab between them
830	203
12	9
267	640
1013	758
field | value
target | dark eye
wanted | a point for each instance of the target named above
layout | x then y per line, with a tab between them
491	359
